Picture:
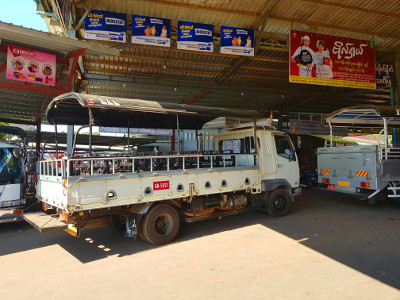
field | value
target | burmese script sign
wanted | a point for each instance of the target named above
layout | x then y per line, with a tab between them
330	60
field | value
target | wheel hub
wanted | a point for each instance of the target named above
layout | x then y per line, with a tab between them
280	203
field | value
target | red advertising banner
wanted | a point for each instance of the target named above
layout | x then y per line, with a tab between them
28	65
330	60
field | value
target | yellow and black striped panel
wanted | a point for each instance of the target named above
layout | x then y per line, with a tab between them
326	171
362	173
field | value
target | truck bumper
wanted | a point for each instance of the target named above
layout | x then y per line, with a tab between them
10	215
297	191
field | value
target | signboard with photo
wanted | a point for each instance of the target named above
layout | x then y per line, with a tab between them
194	36
151	31
330	60
33	66
105	26
237	41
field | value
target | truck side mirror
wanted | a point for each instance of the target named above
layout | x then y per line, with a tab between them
18	152
298	141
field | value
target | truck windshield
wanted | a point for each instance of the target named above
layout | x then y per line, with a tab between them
10	169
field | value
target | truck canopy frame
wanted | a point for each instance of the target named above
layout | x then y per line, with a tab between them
95	110
372	116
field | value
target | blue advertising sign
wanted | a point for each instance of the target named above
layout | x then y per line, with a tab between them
151	31
237	41
105	26
385	75
195	36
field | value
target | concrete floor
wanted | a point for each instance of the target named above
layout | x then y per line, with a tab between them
330	247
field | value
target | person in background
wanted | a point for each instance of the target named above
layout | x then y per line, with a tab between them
234	41
248	42
153	30
164	32
323	62
147	31
304	57
239	41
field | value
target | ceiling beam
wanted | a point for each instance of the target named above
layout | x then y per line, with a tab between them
204	7
355	8
164	59
125	69
197	97
261	69
17	121
331	26
255	87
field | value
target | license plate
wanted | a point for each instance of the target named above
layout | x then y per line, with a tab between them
161	185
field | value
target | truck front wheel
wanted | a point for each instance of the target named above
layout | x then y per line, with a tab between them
160	225
279	203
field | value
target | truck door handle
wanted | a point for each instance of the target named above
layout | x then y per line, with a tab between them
279	165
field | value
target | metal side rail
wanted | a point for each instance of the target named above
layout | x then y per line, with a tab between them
394	187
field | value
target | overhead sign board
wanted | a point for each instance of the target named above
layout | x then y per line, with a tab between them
330	60
385	75
195	36
151	31
105	26
29	65
237	41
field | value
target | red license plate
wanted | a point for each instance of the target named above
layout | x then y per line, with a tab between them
161	185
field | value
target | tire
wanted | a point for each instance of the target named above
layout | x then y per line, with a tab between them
160	225
279	203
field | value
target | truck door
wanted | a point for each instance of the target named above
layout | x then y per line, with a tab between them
287	166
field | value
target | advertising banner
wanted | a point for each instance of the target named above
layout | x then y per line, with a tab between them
31	66
237	41
194	36
151	31
385	75
105	26
330	60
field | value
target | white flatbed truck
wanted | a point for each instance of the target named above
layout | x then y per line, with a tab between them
366	170
248	168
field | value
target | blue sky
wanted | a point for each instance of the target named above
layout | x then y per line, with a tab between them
21	12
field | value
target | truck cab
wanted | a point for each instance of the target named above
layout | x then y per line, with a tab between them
11	183
276	160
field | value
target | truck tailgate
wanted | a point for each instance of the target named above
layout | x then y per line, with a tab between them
44	222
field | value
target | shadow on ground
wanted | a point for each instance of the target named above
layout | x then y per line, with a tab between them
348	230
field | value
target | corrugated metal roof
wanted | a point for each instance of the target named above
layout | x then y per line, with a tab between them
50	42
260	82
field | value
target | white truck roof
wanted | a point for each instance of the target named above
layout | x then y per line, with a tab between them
7	145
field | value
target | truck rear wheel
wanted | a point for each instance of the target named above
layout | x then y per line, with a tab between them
279	203
160	225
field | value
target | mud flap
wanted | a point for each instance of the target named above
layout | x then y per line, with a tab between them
132	223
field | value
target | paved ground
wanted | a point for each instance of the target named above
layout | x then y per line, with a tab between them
330	247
